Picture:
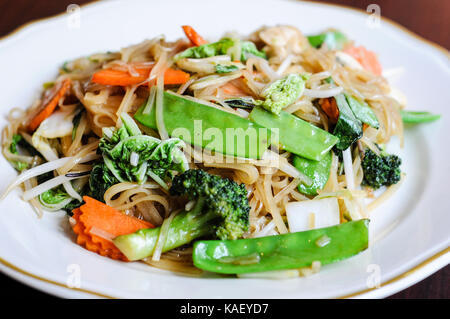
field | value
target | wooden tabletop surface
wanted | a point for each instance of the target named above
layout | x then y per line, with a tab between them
428	18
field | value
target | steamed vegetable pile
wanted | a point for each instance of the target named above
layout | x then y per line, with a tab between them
215	219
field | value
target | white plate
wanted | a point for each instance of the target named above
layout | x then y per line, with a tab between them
410	233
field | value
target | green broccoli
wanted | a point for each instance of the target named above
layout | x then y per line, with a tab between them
383	170
221	211
283	92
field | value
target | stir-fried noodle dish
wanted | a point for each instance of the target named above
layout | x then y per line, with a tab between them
251	156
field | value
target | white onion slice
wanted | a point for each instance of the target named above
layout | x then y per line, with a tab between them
348	168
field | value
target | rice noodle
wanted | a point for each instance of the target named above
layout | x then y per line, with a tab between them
35	191
163	236
323	93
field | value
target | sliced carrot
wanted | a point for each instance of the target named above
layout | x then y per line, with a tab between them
193	36
124	78
99	216
234	88
50	106
330	108
366	58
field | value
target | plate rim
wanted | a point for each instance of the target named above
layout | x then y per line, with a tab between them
435	262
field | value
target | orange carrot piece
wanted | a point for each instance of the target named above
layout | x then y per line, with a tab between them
94	243
124	78
193	36
108	219
233	88
50	106
366	58
99	216
330	108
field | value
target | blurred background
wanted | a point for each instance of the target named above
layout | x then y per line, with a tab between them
427	18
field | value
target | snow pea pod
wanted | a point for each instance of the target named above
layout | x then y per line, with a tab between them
411	117
209	127
287	251
294	134
318	171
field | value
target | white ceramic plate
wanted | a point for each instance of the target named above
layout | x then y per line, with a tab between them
409	233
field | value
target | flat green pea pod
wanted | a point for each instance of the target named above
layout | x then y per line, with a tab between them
411	117
295	135
317	171
283	92
362	111
334	40
209	127
287	251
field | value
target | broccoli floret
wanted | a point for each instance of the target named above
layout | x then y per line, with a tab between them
383	170
221	197
221	211
283	92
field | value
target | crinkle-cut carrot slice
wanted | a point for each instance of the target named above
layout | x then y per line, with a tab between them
95	214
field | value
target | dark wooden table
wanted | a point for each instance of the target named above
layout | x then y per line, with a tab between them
428	18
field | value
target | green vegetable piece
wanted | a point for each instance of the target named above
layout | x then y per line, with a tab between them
318	171
100	180
283	92
206	50
348	128
411	117
287	251
362	111
249	48
334	40
220	48
295	135
48	85
221	211
383	170
131	156
16	139
55	199
209	127
76	121
184	228
226	68
18	143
